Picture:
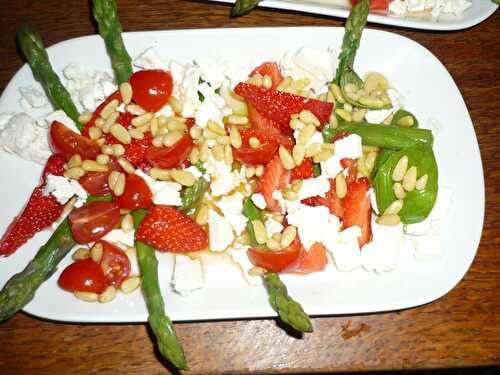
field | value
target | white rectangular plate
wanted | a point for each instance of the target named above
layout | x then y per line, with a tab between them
430	93
477	13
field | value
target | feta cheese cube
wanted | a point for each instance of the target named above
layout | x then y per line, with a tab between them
219	231
63	189
187	276
240	257
150	59
120	238
346	254
211	71
313	187
232	207
32	98
382	254
259	200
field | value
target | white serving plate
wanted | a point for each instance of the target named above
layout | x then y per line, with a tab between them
477	13
430	93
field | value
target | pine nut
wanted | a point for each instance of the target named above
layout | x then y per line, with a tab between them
284	84
157	141
309	118
86	296
96	252
288	235
108	295
406	121
298	152
335	89
119	187
278	217
322	156
109	122
267	82
172	138
277	237
204	152
118	150
136	134
286	158
154	127
399	192
295	124
306	134
249	172
370	160
290	195
99	123
228	155
359	114
218	152
256	271
102	159
235	137
296	185
421	182
202	215
344	114
223	140
126	92
313	149
109	108
81	254
74	173
127	224
184	178
135	109
84	117
255	80
175	104
176	124
107	150
100	142
254	142
130	284
333	122
194	155
95	133
340	185
400	169
93	166
142	119
388	220
121	134
272	244
410	179
159	174
126	165
394	207
260	231
208	134
259	170
216	128
75	161
112	179
195	132
237	119
327	97
348	108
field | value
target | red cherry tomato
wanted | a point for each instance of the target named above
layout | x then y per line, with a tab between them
68	143
83	276
170	157
277	261
313	260
93	220
114	263
96	183
151	88
137	194
259	155
270	69
376	4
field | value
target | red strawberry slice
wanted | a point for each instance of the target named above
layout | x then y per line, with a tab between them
352	169
270	127
279	106
275	177
39	213
136	150
303	171
330	200
167	229
270	69
357	208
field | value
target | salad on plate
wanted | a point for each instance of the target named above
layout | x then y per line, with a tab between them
287	166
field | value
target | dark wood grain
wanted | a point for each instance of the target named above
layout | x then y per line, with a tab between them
459	330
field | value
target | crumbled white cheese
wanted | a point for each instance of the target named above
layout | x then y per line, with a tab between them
272	227
213	107
239	255
164	192
63	189
60	116
4	119
259	200
211	71
120	238
23	137
317	137
373	200
382	253
303	217
166	111
232	207
436	7
346	253
149	59
187	276
219	231
313	187
223	184
32	98
348	147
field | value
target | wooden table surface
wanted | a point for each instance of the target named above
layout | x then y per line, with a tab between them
459	330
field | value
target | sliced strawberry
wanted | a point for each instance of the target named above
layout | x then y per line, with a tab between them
303	171
40	212
352	169
275	177
135	151
270	127
270	69
340	135
167	229
330	200
357	208
279	106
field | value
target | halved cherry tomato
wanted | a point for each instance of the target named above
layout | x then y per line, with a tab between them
68	143
83	276
313	260
114	263
93	220
151	88
270	69
303	171
259	155
137	194
96	183
116	95
376	4
277	261
170	157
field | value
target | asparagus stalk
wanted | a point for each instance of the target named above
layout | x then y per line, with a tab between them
241	7
192	195
31	45
161	325
106	15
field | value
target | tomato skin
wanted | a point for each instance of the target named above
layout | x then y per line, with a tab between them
277	261
270	69
313	260
136	195
259	155
66	142
376	4
114	264
170	157
83	276
93	220
152	88
96	183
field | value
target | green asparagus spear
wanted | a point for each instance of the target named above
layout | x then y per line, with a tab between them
251	212
241	7
353	28
192	195
161	325
106	15
288	309
32	47
21	288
